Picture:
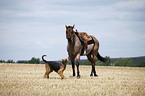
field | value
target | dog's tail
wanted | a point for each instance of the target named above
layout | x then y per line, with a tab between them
44	59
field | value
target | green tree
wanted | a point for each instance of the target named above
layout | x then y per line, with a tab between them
10	61
22	61
108	63
99	63
2	61
34	60
142	64
124	62
86	62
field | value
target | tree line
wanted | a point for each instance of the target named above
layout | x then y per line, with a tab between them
32	61
126	62
8	61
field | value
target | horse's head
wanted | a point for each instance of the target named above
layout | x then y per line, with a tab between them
69	32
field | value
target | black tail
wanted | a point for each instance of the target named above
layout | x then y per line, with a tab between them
101	58
44	59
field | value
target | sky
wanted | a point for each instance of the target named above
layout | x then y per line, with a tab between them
32	28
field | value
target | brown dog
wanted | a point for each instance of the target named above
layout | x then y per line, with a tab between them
57	67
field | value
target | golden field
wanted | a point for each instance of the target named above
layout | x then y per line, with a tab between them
27	80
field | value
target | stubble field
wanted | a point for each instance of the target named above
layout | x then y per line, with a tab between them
27	80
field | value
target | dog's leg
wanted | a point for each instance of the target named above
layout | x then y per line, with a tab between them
61	74
47	72
45	75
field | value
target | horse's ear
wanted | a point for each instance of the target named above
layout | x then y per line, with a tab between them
73	26
66	26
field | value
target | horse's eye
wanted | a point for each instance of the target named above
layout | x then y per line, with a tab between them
72	32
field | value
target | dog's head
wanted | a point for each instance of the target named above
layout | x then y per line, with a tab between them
65	61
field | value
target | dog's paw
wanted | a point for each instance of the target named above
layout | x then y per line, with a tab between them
45	76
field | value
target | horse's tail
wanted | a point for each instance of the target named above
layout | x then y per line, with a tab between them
44	59
101	58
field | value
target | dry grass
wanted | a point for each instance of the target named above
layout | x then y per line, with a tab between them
26	80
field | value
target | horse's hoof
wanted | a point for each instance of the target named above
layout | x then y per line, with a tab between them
73	74
78	77
96	75
91	74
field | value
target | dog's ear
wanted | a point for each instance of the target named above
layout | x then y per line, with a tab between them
66	60
62	60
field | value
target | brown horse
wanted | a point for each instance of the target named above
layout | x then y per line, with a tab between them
75	47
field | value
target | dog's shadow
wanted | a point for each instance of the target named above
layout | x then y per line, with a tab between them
53	78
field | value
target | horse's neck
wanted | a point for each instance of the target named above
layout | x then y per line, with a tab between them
75	40
74	46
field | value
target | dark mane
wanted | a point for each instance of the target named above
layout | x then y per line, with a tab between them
69	27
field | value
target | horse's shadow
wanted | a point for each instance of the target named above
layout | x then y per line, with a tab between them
73	77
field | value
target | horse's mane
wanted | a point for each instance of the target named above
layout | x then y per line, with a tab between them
69	26
79	38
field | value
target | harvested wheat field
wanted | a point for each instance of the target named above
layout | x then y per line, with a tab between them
27	80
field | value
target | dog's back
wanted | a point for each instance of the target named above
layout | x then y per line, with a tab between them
53	65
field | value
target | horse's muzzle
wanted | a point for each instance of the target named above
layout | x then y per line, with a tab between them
69	38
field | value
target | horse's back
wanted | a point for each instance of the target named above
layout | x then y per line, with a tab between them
96	41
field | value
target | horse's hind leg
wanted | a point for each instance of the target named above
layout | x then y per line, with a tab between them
93	65
92	59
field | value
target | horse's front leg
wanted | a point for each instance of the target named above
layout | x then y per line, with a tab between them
77	64
73	65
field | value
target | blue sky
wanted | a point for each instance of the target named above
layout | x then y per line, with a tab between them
31	28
